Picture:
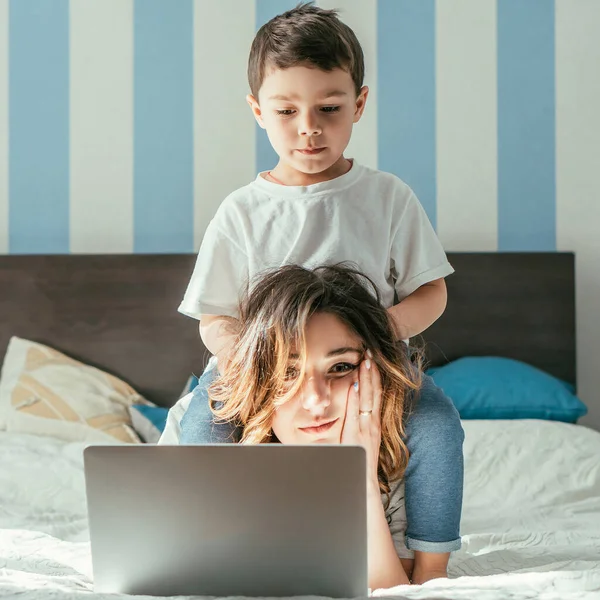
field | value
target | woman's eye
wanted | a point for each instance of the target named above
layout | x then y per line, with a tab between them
343	368
330	109
286	112
291	374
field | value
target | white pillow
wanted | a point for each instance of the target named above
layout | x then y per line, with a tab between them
172	431
44	392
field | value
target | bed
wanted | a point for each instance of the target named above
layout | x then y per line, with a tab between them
531	516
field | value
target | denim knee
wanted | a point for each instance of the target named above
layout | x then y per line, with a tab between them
198	425
435	472
434	413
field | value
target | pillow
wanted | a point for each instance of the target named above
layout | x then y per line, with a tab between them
502	388
44	392
172	432
148	421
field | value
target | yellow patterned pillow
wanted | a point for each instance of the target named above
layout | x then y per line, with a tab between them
44	392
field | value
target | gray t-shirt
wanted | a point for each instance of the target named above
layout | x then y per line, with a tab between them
396	518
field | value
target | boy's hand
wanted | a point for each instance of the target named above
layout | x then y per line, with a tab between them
419	310
223	361
219	333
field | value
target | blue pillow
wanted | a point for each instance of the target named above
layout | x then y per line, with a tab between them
148	421
502	388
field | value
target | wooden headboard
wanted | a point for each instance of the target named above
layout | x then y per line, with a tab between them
518	305
119	313
116	312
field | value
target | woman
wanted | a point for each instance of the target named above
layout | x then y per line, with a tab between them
316	362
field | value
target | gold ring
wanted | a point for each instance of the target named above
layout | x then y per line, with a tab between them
365	413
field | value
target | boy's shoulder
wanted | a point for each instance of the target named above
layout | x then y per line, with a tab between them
241	195
386	190
237	204
250	196
388	180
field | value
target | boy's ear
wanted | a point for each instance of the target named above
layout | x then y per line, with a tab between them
361	101
254	106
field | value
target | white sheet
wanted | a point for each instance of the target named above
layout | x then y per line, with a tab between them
531	517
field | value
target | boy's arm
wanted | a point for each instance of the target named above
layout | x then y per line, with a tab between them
420	309
218	334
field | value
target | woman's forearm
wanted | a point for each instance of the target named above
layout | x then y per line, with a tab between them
385	568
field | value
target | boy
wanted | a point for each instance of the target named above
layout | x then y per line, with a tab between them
318	207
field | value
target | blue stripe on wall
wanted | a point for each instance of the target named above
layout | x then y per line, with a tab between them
266	157
526	126
163	126
406	93
39	127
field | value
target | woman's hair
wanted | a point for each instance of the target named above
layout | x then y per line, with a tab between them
307	35
274	314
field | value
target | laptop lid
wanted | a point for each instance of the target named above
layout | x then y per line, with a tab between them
223	520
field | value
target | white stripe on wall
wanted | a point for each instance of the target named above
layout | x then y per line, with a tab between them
361	16
466	114
3	126
578	164
224	133
101	135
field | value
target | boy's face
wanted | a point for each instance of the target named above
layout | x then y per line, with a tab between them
308	115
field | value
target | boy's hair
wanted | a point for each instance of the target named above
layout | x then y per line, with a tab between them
309	35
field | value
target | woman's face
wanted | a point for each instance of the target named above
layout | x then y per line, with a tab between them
315	415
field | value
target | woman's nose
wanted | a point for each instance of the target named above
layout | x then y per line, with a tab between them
315	397
309	125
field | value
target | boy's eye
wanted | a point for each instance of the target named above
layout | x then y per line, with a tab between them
330	109
286	112
343	368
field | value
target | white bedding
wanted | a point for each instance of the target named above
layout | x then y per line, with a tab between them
531	517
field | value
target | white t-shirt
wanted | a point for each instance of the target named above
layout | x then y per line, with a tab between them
366	217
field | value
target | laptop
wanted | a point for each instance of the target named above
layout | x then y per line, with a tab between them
228	520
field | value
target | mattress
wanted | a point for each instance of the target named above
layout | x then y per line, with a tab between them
530	527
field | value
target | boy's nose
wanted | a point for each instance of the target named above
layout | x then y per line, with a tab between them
309	126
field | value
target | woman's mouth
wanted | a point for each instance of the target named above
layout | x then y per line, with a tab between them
313	429
311	151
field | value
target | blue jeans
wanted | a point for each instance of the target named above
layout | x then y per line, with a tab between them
433	479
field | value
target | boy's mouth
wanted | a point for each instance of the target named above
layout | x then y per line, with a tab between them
310	151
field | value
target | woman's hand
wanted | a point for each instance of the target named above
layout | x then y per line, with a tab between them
362	426
362	423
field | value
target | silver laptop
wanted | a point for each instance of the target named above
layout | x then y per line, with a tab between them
228	520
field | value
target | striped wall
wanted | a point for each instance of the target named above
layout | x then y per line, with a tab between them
123	123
